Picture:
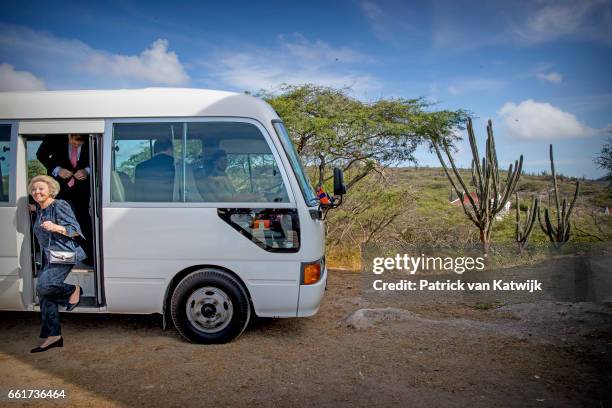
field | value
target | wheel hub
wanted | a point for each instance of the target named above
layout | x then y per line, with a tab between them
209	309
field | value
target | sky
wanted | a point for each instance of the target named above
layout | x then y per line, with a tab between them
540	70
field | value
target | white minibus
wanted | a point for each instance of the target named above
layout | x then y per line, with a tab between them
235	231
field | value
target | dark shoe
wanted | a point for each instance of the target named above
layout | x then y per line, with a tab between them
57	343
71	306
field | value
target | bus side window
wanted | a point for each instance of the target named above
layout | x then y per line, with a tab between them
194	162
235	164
5	154
145	157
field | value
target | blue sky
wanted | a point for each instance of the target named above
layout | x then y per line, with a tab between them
540	70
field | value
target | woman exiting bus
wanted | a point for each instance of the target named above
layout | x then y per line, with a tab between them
55	227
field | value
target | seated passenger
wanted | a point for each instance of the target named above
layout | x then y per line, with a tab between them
215	185
154	178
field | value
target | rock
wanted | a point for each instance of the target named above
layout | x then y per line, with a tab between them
365	318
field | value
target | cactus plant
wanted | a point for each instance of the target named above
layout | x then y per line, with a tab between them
523	231
560	233
485	180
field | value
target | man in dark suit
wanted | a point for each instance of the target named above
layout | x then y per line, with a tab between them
67	161
154	178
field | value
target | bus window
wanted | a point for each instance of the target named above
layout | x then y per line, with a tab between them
194	162
144	160
5	141
231	162
298	168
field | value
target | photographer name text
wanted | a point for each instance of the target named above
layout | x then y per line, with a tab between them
529	285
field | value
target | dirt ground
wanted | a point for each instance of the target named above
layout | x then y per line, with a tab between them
439	354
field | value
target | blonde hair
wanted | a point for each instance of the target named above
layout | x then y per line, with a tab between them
54	186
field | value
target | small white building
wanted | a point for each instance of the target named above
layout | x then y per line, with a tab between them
505	211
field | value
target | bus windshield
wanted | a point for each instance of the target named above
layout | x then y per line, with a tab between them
296	164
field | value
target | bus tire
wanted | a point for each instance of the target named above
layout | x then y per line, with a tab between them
210	306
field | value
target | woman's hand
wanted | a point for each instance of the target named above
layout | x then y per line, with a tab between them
51	227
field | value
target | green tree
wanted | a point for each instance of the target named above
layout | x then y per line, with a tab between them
143	153
35	168
372	207
330	129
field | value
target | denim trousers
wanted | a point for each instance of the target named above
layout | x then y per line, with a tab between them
53	292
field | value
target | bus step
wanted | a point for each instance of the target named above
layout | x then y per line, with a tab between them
88	301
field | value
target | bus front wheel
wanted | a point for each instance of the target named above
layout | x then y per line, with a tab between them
210	306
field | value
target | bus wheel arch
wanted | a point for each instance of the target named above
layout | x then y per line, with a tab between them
208	304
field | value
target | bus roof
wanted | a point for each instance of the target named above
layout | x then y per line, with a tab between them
131	103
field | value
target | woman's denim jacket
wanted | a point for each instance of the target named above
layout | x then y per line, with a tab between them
64	216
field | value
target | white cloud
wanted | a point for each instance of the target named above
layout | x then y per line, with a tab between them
13	80
550	20
69	63
540	121
534	22
553	77
294	61
156	65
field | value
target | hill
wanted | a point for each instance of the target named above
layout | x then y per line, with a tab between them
418	201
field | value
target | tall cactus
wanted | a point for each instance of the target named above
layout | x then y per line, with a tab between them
523	231
560	234
486	183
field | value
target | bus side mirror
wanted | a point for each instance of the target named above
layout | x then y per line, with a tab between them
339	187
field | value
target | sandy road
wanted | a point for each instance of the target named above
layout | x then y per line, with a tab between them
116	361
